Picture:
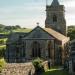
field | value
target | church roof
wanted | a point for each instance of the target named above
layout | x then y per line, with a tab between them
57	35
55	3
53	33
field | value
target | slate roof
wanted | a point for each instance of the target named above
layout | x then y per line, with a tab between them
57	35
60	37
53	33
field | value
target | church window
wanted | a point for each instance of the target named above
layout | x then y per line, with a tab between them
54	18
36	49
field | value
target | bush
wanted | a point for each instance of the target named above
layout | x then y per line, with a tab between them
39	68
2	53
2	63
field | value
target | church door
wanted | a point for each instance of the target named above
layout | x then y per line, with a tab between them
36	49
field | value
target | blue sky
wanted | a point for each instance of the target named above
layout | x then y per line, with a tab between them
28	12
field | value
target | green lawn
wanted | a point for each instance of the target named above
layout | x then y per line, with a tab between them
55	72
22	30
4	39
2	64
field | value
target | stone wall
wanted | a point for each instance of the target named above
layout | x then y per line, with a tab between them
45	64
21	68
18	69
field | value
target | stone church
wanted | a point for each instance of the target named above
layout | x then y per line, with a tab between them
47	43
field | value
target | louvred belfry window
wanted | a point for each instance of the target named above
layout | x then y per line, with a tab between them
54	18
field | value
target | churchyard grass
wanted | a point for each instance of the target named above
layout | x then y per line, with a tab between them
55	71
2	46
22	30
3	41
2	63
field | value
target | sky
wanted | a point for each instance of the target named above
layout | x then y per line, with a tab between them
27	13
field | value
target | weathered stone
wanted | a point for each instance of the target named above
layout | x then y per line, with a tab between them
18	69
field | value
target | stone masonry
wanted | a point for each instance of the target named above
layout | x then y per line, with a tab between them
18	69
21	68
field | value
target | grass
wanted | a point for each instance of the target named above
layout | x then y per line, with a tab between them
22	30
55	71
3	42
16	30
5	32
2	64
4	39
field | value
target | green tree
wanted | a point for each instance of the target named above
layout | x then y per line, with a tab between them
71	32
2	53
17	26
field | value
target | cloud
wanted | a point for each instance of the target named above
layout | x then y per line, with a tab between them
25	22
29	12
70	11
69	3
24	16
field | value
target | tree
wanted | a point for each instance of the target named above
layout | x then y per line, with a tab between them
71	32
17	26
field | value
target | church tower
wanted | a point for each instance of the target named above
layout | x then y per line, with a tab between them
55	17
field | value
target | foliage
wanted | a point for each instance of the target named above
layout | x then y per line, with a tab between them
2	51
71	32
7	29
38	65
2	63
3	41
12	27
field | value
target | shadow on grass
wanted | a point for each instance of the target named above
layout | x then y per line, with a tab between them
55	72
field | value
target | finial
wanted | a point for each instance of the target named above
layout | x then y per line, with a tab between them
37	23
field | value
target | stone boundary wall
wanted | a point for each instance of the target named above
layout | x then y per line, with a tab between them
21	68
18	69
45	64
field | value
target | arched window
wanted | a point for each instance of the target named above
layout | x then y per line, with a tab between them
36	49
54	18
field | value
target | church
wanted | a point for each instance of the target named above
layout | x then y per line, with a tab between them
47	43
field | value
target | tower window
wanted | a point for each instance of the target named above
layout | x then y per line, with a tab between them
54	18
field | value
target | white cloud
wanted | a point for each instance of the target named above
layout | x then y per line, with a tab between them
70	11
24	16
27	16
69	3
